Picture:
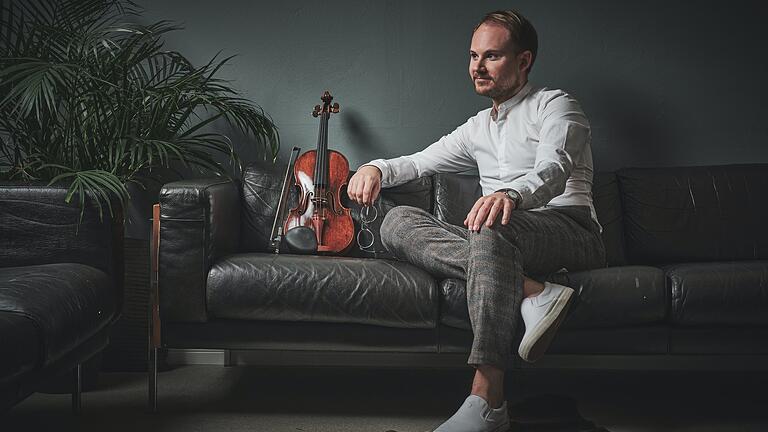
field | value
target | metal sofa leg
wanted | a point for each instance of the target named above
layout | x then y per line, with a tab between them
154	309
77	389
152	375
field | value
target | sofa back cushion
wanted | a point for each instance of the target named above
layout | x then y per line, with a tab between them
455	194
262	185
607	202
261	188
38	227
689	214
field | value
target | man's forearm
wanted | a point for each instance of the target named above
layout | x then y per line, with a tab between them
394	171
538	187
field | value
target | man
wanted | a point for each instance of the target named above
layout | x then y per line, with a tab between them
532	151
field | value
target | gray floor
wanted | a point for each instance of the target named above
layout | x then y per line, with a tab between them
215	398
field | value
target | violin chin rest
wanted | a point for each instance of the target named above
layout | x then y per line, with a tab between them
301	240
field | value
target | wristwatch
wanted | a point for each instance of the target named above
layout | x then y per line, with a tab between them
513	195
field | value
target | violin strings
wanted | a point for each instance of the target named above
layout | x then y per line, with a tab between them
319	151
325	151
324	165
321	155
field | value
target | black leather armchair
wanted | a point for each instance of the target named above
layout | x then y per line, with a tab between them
686	274
60	287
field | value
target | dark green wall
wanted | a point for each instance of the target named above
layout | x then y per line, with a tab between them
664	83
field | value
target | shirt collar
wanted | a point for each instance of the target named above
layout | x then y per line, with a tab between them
505	106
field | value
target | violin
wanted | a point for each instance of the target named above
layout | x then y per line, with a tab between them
320	176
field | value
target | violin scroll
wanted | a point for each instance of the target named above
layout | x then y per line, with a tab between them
326	107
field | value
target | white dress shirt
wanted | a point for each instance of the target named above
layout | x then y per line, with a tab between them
538	143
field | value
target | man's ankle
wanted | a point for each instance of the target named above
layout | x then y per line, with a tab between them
494	402
488	383
532	288
535	293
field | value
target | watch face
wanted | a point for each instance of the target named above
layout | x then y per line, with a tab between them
514	196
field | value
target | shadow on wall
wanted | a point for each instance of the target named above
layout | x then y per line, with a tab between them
634	126
359	131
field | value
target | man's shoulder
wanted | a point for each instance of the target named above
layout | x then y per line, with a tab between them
482	114
481	117
547	99
547	94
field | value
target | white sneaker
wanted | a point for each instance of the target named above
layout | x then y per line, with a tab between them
475	415
542	316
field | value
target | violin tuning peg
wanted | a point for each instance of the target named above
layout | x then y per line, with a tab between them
335	108
316	111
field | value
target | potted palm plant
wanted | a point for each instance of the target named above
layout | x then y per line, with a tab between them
92	101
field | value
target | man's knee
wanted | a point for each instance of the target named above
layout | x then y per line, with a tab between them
496	234
394	223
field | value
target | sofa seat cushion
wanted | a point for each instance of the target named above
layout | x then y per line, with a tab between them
20	344
284	287
720	293
67	302
607	297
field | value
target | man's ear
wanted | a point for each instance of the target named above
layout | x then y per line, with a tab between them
525	59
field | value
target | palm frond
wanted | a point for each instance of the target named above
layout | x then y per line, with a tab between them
104	186
91	99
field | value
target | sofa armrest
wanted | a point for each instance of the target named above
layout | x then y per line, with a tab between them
199	222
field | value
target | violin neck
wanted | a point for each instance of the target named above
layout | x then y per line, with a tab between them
321	160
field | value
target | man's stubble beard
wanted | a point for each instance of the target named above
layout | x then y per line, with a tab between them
499	92
492	93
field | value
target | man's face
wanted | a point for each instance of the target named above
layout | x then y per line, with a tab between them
495	68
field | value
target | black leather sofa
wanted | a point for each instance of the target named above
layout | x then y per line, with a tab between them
686	271
60	288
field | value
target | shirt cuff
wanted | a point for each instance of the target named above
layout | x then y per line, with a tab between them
381	164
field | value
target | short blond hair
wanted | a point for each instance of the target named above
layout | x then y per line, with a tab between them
521	32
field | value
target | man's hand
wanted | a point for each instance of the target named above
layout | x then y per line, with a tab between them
486	210
364	186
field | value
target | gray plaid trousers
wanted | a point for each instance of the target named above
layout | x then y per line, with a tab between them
494	261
